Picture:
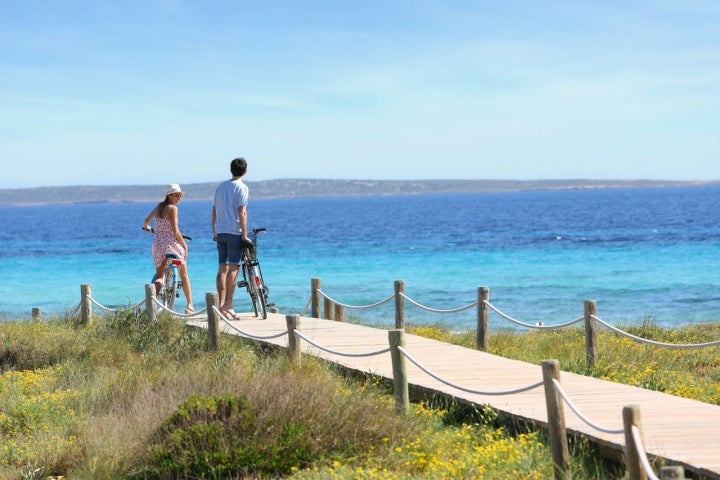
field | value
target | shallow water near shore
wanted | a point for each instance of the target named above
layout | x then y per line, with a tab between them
640	253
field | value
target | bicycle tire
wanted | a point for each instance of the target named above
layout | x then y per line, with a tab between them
170	289
257	294
259	305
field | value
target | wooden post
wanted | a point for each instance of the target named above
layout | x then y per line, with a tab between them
150	305
212	300
672	473
85	303
482	333
556	420
399	303
294	347
315	297
590	308
328	308
396	339
36	313
631	417
339	313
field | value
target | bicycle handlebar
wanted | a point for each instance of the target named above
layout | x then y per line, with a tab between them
152	230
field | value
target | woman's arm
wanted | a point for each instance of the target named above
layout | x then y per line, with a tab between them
148	219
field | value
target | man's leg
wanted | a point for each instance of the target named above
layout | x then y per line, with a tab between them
220	282
222	249
230	282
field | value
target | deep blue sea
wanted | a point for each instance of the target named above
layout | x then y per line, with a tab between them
640	253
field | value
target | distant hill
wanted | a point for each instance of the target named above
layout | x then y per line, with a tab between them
308	188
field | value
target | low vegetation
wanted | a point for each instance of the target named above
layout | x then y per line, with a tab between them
124	398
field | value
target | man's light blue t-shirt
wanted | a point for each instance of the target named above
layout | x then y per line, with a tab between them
229	195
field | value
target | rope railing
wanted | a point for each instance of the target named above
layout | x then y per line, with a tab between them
482	324
219	314
464	389
100	305
582	417
438	310
307	305
343	354
178	314
108	308
537	326
402	295
356	307
654	342
641	453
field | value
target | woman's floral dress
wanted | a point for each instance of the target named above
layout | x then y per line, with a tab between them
165	242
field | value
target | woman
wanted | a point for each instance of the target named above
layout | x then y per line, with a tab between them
169	239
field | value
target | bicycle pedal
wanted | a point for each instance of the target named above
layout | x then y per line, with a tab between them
242	283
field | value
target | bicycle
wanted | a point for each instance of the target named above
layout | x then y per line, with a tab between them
172	284
252	276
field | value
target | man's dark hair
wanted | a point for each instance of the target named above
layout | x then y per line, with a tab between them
238	167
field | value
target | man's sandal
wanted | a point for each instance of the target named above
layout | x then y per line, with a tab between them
230	314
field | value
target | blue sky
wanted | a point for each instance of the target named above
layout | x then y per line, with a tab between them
157	91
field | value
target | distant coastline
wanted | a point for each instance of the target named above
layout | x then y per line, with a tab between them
312	188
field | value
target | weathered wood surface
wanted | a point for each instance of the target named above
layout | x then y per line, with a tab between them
682	431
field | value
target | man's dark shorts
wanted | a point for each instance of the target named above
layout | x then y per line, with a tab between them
230	248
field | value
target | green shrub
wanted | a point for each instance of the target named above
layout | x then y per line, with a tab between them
224	436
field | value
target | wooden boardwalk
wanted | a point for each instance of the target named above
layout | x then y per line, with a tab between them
684	432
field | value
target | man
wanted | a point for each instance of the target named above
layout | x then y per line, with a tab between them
229	224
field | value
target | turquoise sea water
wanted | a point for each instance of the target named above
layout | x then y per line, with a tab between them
642	253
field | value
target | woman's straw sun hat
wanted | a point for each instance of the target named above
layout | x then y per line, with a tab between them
173	188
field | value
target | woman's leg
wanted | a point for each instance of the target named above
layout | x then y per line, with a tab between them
159	273
185	277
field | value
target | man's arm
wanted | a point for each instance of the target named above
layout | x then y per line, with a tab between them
213	220
242	215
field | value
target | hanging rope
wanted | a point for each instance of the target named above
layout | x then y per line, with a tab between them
635	431
437	310
356	307
530	325
344	354
582	417
653	342
464	389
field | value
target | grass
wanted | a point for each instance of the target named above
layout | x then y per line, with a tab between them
124	398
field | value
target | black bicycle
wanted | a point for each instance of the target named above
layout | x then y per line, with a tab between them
252	276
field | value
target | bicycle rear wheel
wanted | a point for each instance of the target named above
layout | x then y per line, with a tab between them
257	293
259	305
169	289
